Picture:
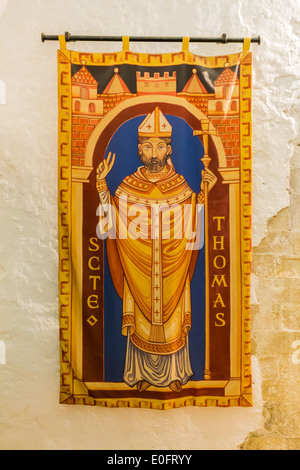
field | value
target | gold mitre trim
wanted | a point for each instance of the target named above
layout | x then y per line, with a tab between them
155	125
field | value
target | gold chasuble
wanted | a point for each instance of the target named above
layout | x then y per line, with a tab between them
154	228
158	270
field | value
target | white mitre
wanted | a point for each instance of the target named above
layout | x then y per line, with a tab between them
155	125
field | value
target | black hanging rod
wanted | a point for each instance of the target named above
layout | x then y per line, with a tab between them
223	39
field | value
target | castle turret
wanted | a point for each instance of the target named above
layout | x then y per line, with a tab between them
196	93
115	92
87	111
116	85
226	94
84	93
223	111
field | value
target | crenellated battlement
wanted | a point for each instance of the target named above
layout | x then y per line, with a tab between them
156	84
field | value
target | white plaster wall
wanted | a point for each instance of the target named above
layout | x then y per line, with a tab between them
30	416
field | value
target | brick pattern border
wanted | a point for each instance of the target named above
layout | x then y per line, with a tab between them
246	219
64	223
133	58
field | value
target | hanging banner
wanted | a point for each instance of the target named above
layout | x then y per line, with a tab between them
154	175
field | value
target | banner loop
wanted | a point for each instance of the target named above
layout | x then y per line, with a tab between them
185	44
125	43
62	42
246	44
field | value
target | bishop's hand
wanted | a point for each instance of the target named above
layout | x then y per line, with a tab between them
208	177
105	166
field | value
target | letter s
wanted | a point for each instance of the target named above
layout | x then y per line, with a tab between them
220	318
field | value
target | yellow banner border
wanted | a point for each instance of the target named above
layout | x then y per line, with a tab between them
72	390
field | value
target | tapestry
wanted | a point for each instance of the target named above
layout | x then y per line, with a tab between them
154	227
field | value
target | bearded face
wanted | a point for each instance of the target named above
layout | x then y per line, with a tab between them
154	153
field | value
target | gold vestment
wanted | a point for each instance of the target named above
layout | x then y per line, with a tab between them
152	266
